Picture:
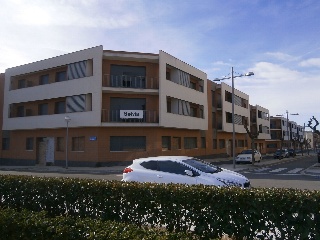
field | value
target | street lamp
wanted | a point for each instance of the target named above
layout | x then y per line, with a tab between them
67	119
233	126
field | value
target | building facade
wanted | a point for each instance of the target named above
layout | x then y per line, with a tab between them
121	106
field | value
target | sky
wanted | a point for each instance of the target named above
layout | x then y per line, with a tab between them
277	40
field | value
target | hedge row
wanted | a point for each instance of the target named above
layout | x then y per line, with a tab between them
30	225
207	211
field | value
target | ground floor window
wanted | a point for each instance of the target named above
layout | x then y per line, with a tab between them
214	143
78	144
240	143
272	145
127	143
166	143
190	142
203	142
60	144
29	143
5	143
222	143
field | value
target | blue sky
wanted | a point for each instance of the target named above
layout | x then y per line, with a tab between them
278	40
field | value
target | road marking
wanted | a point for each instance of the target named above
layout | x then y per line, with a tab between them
262	169
277	170
296	170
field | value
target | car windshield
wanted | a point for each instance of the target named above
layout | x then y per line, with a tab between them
202	165
246	152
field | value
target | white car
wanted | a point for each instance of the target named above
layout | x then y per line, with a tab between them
182	170
246	156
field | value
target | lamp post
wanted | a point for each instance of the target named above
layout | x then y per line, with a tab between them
67	119
233	125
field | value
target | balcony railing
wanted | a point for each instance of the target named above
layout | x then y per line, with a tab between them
126	81
149	116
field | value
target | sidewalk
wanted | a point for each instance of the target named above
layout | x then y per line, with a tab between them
266	161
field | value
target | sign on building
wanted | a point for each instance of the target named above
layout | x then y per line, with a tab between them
124	114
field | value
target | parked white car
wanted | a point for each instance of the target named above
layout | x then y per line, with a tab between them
183	170
246	156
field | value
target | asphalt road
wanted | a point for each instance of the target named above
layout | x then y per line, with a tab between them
285	175
280	175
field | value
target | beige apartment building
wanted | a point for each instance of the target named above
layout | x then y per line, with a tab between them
282	132
98	107
260	124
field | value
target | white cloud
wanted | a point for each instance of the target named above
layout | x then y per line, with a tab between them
280	56
72	13
312	62
279	89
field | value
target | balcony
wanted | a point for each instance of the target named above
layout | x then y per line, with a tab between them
135	116
126	81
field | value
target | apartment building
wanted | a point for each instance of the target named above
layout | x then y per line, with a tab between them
260	124
220	118
120	106
99	107
284	133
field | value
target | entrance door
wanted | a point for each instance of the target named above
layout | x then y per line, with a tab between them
41	153
45	153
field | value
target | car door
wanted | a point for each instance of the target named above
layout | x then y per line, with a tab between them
174	172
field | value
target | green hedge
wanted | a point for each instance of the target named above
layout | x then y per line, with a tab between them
206	211
30	225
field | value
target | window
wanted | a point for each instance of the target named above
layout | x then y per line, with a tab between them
61	76
176	143
43	109
228	117
128	143
272	145
214	143
20	111
240	143
222	143
168	74
190	142
78	144
60	107
128	76
172	167
168	104
151	165
203	142
29	143
166	143
44	79
228	97
60	144
5	143
22	83
193	111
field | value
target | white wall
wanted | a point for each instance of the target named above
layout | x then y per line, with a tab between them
169	88
92	84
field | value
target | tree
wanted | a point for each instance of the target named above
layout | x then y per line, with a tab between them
253	136
314	128
295	141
